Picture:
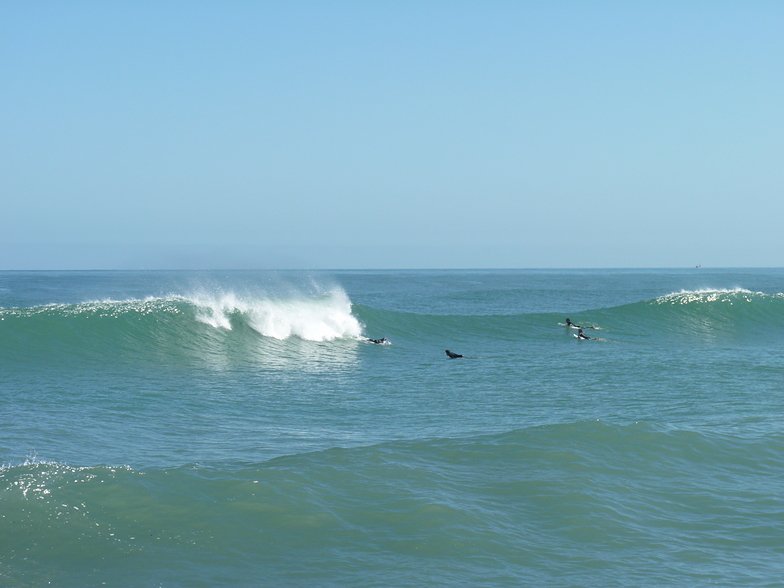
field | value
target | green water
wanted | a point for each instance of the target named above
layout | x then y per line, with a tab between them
234	428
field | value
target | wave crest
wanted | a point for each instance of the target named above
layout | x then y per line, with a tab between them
713	295
316	318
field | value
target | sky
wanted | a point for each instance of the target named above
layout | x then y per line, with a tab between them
391	134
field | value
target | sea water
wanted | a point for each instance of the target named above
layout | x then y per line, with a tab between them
186	429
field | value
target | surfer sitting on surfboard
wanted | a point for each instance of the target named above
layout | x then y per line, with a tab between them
452	355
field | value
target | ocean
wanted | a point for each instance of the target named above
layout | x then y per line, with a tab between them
209	429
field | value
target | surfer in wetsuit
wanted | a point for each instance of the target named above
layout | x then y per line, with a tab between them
573	326
581	335
381	341
452	355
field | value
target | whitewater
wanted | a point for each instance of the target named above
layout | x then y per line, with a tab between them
239	429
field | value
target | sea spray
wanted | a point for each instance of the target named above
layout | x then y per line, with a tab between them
313	318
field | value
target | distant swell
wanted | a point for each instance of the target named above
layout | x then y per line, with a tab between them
272	329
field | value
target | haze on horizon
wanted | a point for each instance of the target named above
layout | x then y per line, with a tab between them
341	135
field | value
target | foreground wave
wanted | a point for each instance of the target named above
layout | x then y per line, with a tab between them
484	509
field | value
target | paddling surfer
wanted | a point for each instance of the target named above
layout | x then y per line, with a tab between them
570	324
581	335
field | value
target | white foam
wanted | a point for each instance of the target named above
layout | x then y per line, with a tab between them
707	295
322	317
736	289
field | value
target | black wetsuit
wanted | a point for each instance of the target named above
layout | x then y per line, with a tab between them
452	355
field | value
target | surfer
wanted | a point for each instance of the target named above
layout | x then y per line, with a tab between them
452	355
571	325
581	335
382	341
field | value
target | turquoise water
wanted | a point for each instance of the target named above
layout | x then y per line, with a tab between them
235	428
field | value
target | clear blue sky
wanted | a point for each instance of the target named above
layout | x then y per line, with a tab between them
391	134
